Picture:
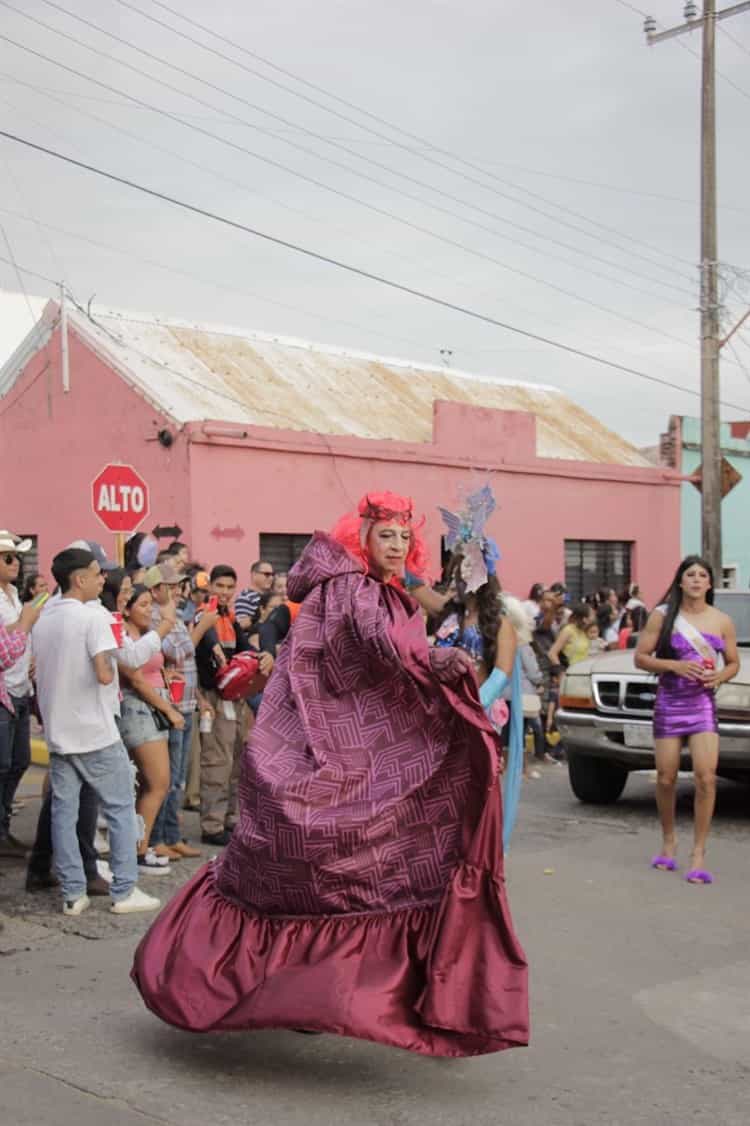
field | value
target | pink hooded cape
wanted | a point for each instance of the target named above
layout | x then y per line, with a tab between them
362	892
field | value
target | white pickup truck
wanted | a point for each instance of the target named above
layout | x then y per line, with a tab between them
606	707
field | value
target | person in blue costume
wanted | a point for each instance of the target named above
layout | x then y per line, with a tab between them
476	619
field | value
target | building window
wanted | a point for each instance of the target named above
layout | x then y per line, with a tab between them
590	564
282	549
729	576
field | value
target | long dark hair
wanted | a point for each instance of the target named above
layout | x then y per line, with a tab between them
672	600
28	586
489	609
111	589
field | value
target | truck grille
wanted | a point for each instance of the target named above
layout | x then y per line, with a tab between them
628	694
639	696
608	694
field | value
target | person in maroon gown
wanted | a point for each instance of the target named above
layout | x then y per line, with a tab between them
363	890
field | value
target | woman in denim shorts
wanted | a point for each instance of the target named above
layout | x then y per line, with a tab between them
143	694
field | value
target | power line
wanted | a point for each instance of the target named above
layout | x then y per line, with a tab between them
522	202
545	173
25	270
210	282
206	168
205	281
14	264
355	270
358	156
734	39
336	144
212	171
725	77
345	195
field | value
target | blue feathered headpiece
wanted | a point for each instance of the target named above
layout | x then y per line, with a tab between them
465	534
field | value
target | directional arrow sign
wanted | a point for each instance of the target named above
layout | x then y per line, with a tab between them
167	531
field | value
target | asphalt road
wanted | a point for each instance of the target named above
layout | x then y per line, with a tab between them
640	1001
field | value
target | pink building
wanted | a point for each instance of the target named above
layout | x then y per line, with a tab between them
250	442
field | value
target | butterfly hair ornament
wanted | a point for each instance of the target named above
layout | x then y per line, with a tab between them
466	537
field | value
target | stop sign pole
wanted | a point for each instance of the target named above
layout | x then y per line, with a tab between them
120	499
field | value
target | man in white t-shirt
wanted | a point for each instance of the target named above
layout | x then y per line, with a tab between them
74	655
15	714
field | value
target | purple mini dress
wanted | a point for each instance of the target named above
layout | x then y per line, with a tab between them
685	707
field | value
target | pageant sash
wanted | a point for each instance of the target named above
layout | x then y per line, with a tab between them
702	647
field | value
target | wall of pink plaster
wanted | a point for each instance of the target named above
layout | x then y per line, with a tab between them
57	443
293	490
224	493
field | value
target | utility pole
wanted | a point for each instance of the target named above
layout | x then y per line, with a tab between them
709	282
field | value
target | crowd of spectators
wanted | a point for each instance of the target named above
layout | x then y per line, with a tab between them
124	666
120	666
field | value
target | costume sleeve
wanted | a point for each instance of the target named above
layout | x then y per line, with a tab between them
356	645
12	646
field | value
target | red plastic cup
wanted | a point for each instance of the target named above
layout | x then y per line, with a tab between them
177	691
116	624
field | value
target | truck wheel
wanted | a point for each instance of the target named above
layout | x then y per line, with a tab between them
595	780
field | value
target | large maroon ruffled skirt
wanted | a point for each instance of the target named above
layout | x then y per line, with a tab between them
443	980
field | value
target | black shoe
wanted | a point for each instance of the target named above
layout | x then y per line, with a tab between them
40	881
97	886
221	839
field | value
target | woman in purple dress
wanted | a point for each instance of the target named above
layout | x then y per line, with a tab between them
692	648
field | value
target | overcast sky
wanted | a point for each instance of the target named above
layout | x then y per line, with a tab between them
577	132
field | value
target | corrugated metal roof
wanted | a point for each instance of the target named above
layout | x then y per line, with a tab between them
195	372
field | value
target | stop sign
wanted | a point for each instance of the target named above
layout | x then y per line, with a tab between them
120	498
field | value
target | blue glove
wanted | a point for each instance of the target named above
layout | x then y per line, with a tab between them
492	688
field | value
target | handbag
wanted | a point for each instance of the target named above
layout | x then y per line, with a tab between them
160	720
531	705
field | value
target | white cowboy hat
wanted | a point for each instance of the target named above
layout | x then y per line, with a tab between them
9	542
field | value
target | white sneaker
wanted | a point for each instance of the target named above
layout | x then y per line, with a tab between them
104	870
76	906
153	865
136	901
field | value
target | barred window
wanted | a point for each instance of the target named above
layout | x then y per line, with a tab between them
590	564
283	549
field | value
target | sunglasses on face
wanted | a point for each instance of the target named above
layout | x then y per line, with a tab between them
9	558
267	574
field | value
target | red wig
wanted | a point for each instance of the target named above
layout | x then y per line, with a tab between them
352	530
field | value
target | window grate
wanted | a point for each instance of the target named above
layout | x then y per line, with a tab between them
590	564
282	549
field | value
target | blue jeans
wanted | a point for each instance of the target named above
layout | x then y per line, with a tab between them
108	773
15	754
166	829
